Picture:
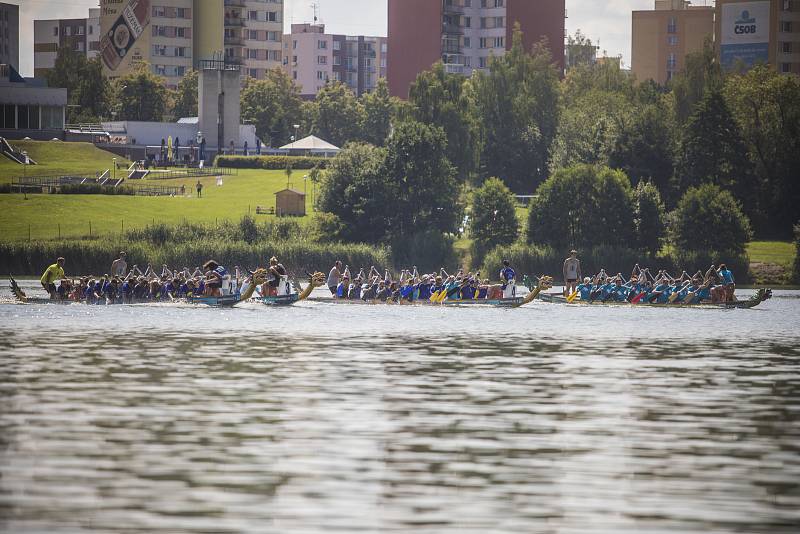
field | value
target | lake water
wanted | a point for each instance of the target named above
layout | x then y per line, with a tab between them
326	418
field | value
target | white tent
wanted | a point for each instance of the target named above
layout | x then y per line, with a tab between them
313	145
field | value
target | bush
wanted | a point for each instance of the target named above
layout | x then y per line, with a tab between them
493	217
649	217
536	260
708	219
327	228
796	274
273	163
95	257
247	229
583	206
428	250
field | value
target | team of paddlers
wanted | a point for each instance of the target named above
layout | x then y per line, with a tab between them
125	285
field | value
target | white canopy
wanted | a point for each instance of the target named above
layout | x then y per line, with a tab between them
311	143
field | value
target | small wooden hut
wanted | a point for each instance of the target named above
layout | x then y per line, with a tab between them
290	202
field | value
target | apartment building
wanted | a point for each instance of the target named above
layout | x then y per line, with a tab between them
172	36
763	31
254	35
81	35
9	35
312	58
465	34
662	38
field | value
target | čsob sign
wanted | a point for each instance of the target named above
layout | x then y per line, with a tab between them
745	33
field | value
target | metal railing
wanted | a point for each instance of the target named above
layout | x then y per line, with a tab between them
50	183
177	174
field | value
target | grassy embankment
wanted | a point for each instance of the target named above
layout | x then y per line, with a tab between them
42	214
771	262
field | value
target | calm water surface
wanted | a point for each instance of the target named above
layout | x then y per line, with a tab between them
325	418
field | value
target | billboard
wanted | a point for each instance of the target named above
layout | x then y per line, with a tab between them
744	33
125	35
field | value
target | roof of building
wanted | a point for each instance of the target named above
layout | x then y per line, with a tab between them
295	191
22	92
311	142
189	120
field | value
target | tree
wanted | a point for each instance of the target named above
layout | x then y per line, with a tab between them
645	148
379	111
589	130
274	106
427	194
441	99
796	273
712	151
709	219
766	107
141	96
649	217
518	107
356	191
701	74
580	51
339	114
381	194
606	77
493	216
583	206
89	93
185	104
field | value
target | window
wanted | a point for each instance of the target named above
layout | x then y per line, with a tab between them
467	42
272	16
672	27
68	30
252	53
294	75
482	62
468	22
274	55
55	31
787	48
672	40
273	36
337	60
337	76
79	30
322	60
499	22
322	45
320	75
483	42
22	117
499	42
182	13
80	47
786	67
294	60
672	60
252	15
337	45
159	11
383	62
294	45
91	29
786	26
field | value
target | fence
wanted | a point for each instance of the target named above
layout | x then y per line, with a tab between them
93	185
177	174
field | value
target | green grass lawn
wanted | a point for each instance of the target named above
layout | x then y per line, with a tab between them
775	252
57	156
238	196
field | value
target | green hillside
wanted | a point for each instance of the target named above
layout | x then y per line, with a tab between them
57	156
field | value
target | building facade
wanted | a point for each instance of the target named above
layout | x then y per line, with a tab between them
254	35
172	36
762	31
465	34
662	38
28	108
312	58
9	35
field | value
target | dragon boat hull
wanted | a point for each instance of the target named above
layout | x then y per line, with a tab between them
758	298
496	303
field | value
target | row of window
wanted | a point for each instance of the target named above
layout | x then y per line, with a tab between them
172	51
169	70
172	31
15	117
69	31
264	16
172	12
263	54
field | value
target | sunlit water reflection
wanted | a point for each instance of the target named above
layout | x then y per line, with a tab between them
320	418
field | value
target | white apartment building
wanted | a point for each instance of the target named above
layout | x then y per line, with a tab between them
171	32
82	35
253	35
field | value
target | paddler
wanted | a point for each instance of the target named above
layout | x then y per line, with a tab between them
334	276
215	276
507	277
726	275
572	273
50	275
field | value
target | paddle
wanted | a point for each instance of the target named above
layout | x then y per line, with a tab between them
676	294
572	297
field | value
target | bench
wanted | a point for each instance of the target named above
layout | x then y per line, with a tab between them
260	210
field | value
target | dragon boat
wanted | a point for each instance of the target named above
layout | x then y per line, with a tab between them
544	284
246	294
760	296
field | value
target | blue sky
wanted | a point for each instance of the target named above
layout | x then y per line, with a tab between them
605	21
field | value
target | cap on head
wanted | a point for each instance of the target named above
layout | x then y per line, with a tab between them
273	260
60	260
506	263
573	251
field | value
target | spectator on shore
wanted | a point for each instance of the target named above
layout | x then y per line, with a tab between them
199	187
119	267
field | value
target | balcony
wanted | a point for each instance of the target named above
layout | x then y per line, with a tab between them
451	47
449	28
454	69
451	7
234	41
234	22
234	3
